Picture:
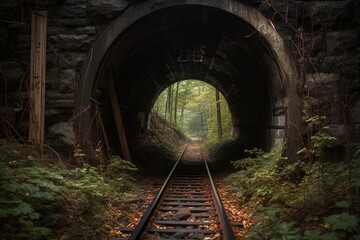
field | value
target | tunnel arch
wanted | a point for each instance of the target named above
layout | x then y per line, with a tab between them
225	43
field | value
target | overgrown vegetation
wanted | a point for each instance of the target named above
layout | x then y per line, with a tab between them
322	202
40	199
158	151
224	151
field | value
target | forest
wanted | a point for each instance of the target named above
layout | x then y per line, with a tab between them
196	107
49	197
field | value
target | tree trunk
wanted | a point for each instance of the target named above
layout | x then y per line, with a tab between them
202	121
218	114
183	105
166	108
176	102
170	101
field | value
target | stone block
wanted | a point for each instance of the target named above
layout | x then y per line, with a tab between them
66	42
67	79
183	214
67	39
12	73
59	100
52	79
67	22
70	9
102	10
314	80
55	115
317	12
66	30
71	59
87	30
330	64
61	136
52	60
278	121
275	133
341	41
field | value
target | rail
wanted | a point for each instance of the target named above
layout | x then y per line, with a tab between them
183	189
226	228
135	235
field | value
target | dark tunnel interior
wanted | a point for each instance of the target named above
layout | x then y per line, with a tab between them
194	42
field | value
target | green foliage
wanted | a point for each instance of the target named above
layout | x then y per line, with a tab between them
312	235
79	155
196	110
357	152
28	196
325	198
164	143
118	166
319	140
261	171
343	221
37	199
270	226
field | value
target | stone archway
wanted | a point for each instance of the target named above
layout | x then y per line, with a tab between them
239	50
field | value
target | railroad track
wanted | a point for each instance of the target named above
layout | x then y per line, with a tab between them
186	207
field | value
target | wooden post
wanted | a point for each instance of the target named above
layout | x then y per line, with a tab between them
37	78
118	120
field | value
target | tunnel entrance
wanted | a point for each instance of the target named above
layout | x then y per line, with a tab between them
224	43
196	108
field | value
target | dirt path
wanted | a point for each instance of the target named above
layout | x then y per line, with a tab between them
193	154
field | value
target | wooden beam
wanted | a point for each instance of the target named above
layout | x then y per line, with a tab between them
37	78
118	120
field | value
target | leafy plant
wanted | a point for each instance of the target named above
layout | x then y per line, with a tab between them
79	155
261	171
28	196
319	140
343	221
39	200
118	167
323	204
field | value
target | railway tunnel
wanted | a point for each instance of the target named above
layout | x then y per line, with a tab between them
224	43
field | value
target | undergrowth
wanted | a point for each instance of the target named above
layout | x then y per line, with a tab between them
323	203
40	199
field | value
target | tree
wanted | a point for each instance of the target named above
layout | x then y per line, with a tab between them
176	102
218	115
184	103
196	106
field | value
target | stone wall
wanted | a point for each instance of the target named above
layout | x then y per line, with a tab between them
323	36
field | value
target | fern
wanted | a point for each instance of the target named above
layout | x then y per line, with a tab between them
343	221
37	199
263	184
